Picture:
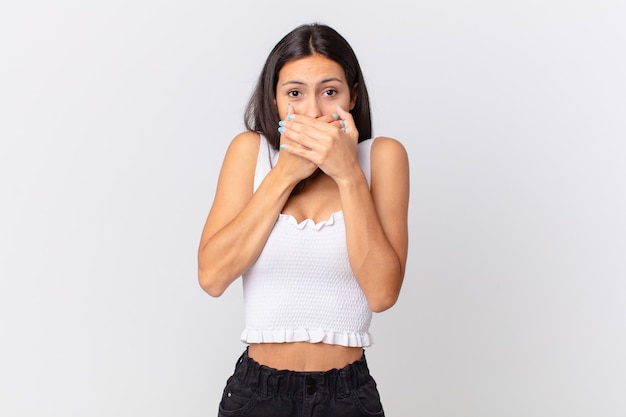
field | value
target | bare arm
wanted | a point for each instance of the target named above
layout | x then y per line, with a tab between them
240	221
376	223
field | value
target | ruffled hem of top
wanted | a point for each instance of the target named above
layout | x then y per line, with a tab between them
306	335
310	223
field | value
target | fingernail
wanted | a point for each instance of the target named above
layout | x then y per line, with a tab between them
343	123
335	116
281	129
290	116
281	123
283	146
343	128
339	107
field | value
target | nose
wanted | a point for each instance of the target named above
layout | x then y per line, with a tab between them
311	107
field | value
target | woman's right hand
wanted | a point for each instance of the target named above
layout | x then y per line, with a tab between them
292	165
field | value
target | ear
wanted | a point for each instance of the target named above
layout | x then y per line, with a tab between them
353	96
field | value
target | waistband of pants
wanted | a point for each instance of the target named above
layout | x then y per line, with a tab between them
269	381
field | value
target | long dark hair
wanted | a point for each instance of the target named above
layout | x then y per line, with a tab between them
261	114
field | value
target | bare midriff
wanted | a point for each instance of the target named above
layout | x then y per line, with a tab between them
304	356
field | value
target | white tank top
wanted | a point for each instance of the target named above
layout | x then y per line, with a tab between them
301	288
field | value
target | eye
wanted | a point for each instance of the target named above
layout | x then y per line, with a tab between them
293	93
330	92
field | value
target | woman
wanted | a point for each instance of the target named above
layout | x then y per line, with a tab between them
312	213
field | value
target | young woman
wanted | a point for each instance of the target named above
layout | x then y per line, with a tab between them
312	212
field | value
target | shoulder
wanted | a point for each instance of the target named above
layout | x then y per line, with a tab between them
390	177
241	156
245	144
388	150
388	143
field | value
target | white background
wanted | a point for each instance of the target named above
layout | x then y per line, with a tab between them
114	118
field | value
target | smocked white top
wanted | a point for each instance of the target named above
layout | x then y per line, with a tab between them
301	288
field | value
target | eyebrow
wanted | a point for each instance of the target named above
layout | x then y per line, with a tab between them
324	81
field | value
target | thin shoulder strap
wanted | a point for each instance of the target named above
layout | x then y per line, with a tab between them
265	161
364	155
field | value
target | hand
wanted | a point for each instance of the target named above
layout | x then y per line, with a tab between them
329	142
297	166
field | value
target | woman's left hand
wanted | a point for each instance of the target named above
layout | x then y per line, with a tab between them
329	142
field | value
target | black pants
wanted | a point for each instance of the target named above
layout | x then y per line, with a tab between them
255	390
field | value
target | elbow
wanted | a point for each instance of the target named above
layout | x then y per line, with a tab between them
382	303
209	284
386	293
215	277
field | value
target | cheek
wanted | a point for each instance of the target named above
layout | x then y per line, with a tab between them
281	107
331	107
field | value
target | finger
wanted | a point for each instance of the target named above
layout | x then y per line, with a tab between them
333	120
290	113
348	124
318	122
328	118
297	150
294	141
299	139
304	130
281	123
338	124
345	116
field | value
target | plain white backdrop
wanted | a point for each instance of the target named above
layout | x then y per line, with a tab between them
114	118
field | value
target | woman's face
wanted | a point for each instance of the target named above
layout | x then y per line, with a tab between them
314	86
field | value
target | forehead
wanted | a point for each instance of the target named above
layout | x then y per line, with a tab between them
310	69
